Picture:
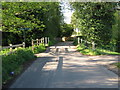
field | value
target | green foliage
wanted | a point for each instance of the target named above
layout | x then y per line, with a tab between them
98	51
67	30
10	38
53	42
94	20
116	31
75	42
14	61
42	18
53	20
4	51
38	49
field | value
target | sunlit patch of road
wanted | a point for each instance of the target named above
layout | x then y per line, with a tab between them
61	66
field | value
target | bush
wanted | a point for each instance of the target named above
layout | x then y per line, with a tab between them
14	62
38	49
52	42
5	51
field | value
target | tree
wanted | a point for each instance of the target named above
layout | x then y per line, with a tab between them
67	30
43	19
95	20
116	29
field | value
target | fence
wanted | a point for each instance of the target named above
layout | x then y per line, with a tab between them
86	43
43	40
13	46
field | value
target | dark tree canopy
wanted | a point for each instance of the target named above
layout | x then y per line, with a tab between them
67	30
42	19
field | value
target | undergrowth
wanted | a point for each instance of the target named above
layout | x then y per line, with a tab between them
98	51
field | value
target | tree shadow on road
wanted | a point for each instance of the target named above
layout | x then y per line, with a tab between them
60	64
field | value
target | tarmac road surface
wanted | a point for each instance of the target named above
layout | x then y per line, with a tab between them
61	66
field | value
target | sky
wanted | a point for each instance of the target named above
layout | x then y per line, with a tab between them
66	12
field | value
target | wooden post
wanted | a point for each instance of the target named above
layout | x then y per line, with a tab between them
48	40
93	45
78	40
81	40
43	41
32	45
40	41
23	44
37	41
10	48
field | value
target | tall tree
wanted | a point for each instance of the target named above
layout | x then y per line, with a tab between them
43	19
95	20
117	29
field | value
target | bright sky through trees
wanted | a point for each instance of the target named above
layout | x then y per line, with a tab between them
67	12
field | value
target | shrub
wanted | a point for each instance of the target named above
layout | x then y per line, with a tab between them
52	42
38	49
14	62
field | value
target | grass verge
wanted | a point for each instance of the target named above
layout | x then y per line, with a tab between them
12	63
88	51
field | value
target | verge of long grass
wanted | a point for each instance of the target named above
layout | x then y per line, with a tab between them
98	51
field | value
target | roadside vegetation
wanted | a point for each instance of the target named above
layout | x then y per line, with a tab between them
101	27
98	51
12	64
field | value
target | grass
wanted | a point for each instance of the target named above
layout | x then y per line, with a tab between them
38	49
6	51
98	51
